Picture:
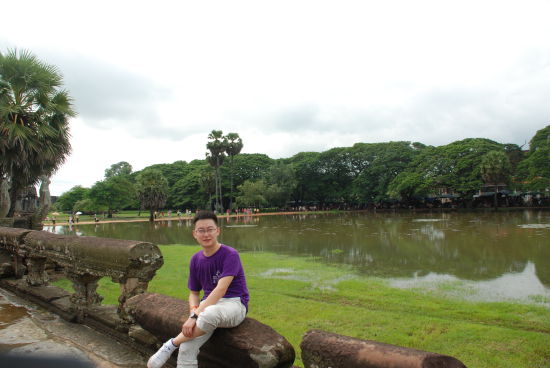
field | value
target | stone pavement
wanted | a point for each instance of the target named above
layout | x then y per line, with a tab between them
27	330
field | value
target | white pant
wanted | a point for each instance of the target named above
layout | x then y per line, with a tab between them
227	312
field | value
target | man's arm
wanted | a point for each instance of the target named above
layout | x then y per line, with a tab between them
216	294
194	300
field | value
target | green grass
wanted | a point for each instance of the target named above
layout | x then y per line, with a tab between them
293	295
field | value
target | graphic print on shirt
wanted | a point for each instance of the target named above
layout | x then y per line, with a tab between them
216	277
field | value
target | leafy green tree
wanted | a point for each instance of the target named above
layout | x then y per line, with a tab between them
152	190
248	166
67	200
308	177
217	145
281	184
87	205
115	193
252	194
408	185
194	189
515	155
495	170
377	164
335	175
118	169
173	173
541	139
534	171
276	196
34	121
454	167
234	147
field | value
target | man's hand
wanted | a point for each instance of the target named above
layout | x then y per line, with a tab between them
188	326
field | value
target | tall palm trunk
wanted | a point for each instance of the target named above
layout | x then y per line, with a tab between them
4	197
219	202
231	182
14	192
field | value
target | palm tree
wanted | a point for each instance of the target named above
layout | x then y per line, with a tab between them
495	169
234	147
34	114
217	145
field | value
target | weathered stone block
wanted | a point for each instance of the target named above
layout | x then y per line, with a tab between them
118	258
11	238
6	264
249	345
322	349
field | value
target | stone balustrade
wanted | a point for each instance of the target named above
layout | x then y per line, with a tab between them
85	260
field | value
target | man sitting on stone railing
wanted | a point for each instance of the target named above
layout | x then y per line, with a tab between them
217	270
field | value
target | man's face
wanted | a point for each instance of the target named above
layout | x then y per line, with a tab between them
206	232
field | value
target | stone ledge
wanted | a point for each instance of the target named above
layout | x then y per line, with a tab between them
321	349
249	345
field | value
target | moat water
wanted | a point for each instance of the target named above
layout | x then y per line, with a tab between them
478	255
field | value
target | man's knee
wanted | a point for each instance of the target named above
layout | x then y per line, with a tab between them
225	314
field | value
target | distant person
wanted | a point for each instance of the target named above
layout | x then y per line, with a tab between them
218	272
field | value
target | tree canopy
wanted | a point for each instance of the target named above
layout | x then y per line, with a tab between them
152	190
360	175
34	120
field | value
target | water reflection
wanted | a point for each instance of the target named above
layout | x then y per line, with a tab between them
469	246
519	286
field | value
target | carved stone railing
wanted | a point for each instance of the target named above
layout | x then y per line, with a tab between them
85	260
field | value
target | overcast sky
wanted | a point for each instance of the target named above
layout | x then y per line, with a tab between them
150	80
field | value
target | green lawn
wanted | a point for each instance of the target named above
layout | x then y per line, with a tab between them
294	294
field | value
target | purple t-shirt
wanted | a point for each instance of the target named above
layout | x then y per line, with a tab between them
204	273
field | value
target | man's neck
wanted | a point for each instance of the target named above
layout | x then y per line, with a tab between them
211	251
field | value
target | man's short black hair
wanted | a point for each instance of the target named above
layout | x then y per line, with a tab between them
205	215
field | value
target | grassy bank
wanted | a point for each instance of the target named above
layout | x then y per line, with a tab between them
294	294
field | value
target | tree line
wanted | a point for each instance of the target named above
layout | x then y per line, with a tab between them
363	175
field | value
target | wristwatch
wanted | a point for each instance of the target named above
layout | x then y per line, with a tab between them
194	315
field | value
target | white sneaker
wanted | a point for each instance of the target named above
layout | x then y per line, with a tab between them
158	359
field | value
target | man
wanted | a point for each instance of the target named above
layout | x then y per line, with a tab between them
217	270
